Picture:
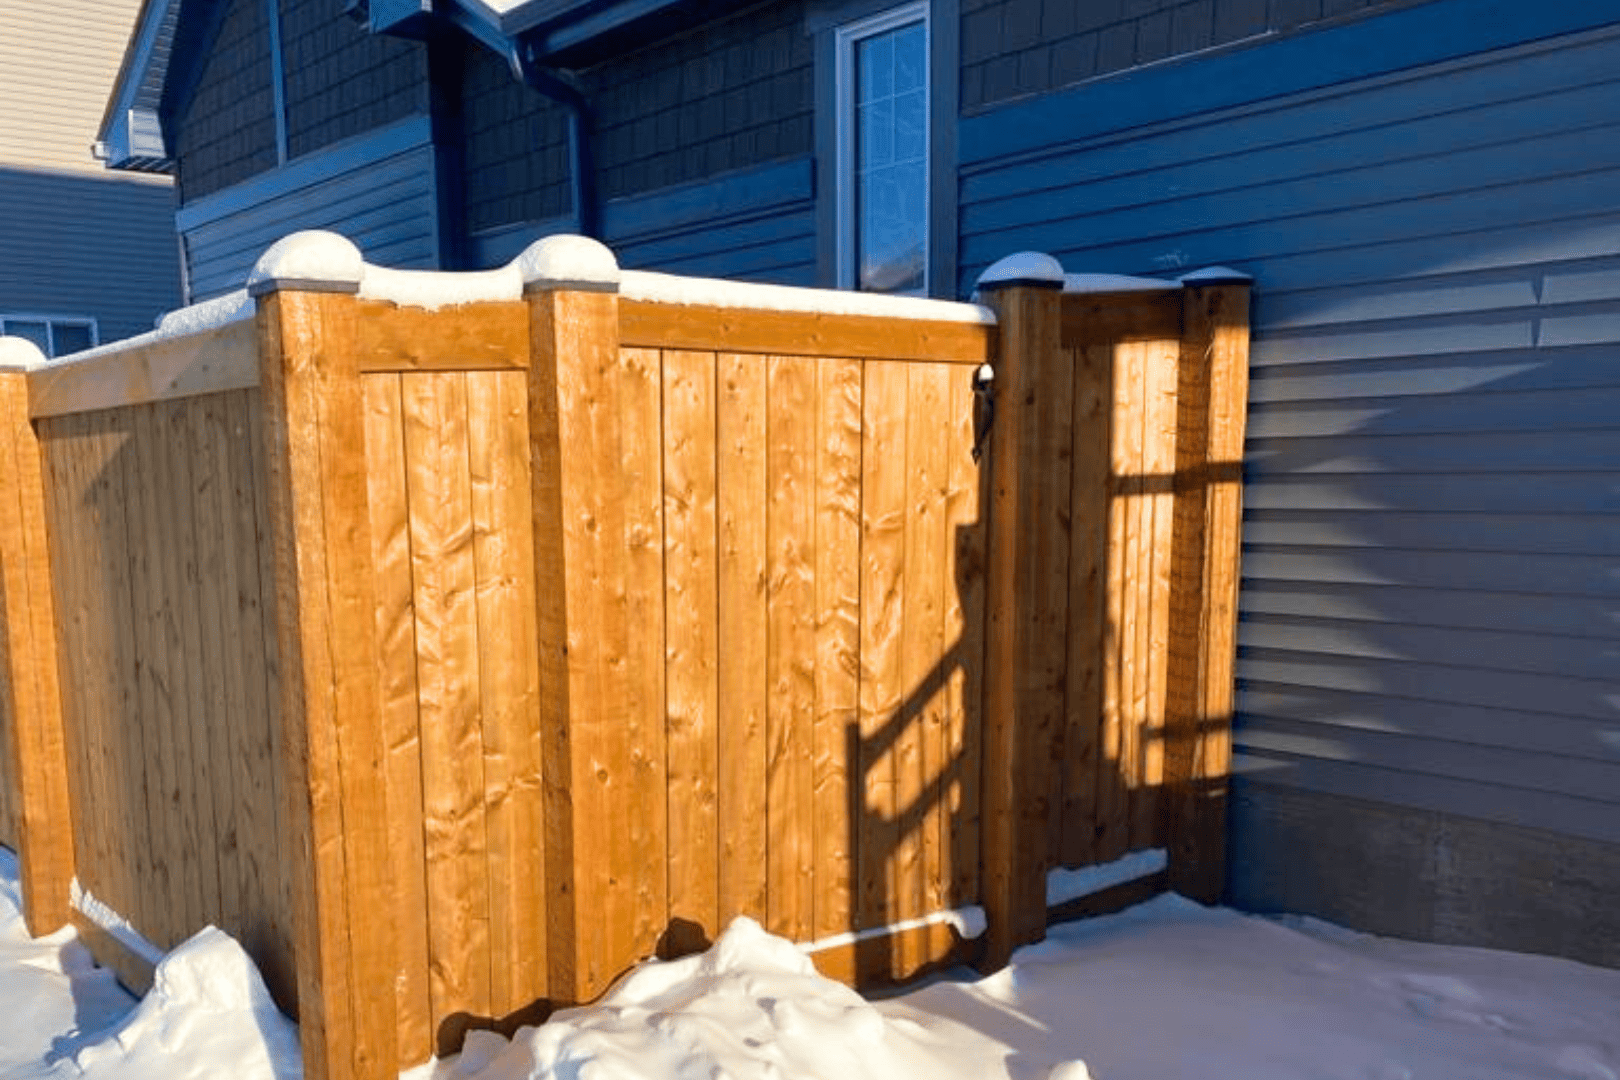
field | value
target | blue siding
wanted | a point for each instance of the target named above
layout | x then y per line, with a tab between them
378	191
1430	606
752	225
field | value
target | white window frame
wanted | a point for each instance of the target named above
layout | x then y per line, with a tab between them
845	40
51	323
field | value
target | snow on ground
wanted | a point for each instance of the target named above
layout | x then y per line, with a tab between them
1167	990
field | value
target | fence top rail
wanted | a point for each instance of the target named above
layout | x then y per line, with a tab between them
203	349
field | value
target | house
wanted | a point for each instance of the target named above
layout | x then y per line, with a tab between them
85	256
1427	193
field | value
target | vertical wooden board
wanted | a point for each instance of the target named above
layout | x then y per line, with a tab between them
790	569
35	750
503	532
964	638
837	650
741	672
578	482
645	805
691	649
260	865
72	554
194	660
921	761
1088	567
333	755
274	871
884	884
1113	795
386	492
1159	464
121	492
205	431
1139	584
163	730
434	408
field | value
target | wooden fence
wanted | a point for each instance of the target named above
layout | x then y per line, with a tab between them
480	652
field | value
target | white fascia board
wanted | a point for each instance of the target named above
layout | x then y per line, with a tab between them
130	123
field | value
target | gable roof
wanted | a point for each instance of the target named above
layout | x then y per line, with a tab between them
552	33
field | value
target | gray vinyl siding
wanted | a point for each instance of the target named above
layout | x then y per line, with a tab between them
82	245
75	241
378	191
1430	608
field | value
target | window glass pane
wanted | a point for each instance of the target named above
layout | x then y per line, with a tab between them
910	126
70	337
891	160
910	58
874	133
876	67
37	332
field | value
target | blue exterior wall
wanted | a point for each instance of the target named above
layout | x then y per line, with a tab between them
1429	646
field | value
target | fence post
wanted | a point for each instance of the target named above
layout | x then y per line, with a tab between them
594	435
332	778
1026	594
30	695
1211	410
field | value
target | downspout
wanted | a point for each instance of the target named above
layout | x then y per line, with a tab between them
552	84
581	162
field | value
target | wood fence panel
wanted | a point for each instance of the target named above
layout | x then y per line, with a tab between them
1089	777
743	620
503	550
114	485
443	572
692	641
791	634
1158	479
387	495
965	533
643	807
922	817
836	792
883	515
266	931
34	755
219	701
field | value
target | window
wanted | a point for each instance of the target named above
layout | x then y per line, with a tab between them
55	335
882	89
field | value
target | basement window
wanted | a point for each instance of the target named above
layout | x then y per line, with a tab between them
882	88
54	334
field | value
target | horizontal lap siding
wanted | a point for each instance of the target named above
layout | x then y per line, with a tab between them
1429	600
388	208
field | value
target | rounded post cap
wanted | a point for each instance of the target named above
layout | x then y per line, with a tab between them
312	261
19	354
567	261
1216	275
1023	268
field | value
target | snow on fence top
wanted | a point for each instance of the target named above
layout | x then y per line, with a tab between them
1037	268
322	260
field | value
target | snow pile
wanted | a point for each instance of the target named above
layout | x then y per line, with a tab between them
751	1008
1173	989
52	996
208	1014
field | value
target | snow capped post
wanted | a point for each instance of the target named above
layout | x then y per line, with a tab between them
1212	402
35	758
595	454
332	751
1025	653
